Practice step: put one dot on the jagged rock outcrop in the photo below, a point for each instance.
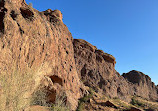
(93, 65)
(142, 85)
(39, 41)
(96, 69)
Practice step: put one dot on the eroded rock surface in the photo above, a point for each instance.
(142, 85)
(39, 41)
(96, 69)
(94, 66)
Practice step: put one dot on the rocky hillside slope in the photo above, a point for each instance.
(41, 42)
(96, 69)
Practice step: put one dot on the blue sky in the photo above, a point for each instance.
(127, 29)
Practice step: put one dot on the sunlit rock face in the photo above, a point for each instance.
(39, 41)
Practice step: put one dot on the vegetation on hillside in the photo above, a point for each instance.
(16, 93)
(15, 89)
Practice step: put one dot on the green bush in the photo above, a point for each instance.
(137, 103)
(84, 100)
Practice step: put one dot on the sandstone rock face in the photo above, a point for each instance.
(97, 70)
(39, 41)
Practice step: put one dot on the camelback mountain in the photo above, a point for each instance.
(39, 43)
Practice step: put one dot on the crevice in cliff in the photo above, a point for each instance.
(21, 31)
(27, 13)
(1, 3)
(13, 14)
(56, 79)
(53, 16)
(67, 52)
(3, 10)
(98, 58)
(83, 71)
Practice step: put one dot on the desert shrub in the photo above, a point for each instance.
(40, 98)
(137, 103)
(84, 100)
(60, 103)
(15, 89)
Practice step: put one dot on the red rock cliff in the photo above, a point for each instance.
(96, 69)
(42, 42)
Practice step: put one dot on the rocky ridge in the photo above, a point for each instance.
(96, 69)
(40, 41)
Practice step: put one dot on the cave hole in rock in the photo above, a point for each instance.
(67, 52)
(43, 46)
(54, 19)
(1, 3)
(72, 79)
(56, 79)
(2, 14)
(27, 13)
(3, 46)
(13, 14)
(90, 73)
(71, 67)
(118, 89)
(83, 71)
(98, 58)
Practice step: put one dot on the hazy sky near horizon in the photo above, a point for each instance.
(127, 29)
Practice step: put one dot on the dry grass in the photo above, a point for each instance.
(121, 104)
(144, 104)
(40, 98)
(60, 104)
(15, 89)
